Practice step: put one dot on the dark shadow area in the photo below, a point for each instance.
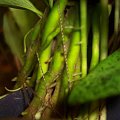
(113, 108)
(15, 103)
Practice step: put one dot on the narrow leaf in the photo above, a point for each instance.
(13, 36)
(23, 4)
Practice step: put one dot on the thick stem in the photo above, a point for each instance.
(104, 29)
(73, 54)
(28, 65)
(83, 20)
(104, 36)
(51, 23)
(96, 39)
(117, 15)
(43, 65)
(49, 77)
(30, 57)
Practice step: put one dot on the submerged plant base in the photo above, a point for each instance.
(15, 103)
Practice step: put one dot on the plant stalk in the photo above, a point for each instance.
(83, 20)
(104, 29)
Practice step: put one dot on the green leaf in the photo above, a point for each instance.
(22, 4)
(24, 23)
(103, 81)
(28, 19)
(13, 36)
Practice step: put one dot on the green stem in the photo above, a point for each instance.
(52, 21)
(51, 3)
(55, 69)
(94, 111)
(83, 20)
(83, 40)
(117, 15)
(30, 58)
(104, 33)
(74, 49)
(32, 35)
(43, 65)
(104, 29)
(96, 39)
(28, 65)
(95, 48)
(73, 54)
(32, 81)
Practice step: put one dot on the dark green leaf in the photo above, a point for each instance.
(13, 36)
(28, 19)
(102, 82)
(23, 4)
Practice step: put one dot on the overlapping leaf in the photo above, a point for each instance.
(23, 4)
(13, 36)
(102, 82)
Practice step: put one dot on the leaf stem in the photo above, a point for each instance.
(96, 38)
(104, 29)
(83, 20)
(117, 15)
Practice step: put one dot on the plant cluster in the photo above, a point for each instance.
(63, 49)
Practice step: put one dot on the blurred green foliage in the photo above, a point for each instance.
(62, 42)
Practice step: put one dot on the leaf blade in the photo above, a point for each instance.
(102, 82)
(13, 36)
(21, 4)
